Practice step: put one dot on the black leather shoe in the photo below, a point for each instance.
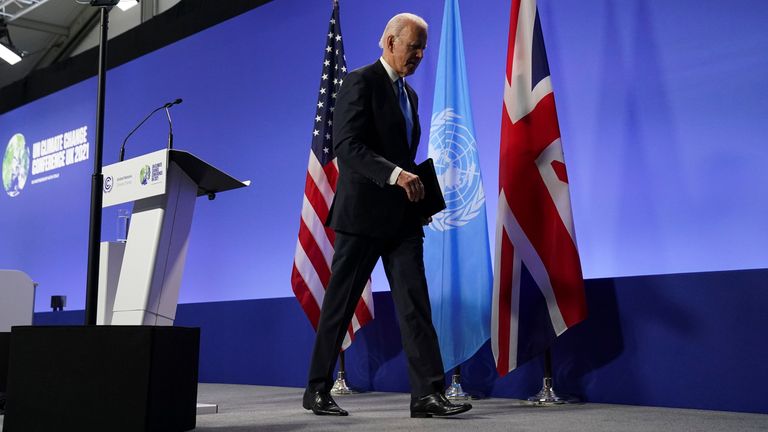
(322, 404)
(436, 404)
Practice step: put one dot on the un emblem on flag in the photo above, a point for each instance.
(453, 149)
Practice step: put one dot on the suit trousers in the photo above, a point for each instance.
(353, 261)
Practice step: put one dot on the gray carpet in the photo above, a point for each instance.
(278, 409)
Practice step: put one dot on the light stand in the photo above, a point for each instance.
(97, 179)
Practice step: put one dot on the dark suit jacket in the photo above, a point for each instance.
(369, 138)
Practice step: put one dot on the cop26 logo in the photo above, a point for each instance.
(15, 165)
(453, 149)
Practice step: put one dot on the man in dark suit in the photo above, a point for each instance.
(376, 132)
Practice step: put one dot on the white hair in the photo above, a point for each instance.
(397, 23)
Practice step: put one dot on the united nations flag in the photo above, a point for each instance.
(456, 250)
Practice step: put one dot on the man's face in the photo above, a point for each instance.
(407, 49)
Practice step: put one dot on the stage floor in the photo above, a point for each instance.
(278, 409)
(245, 408)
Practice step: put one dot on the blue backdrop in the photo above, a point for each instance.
(661, 104)
(662, 108)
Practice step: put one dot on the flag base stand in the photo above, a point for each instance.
(454, 391)
(340, 387)
(547, 396)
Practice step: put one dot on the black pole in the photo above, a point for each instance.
(548, 364)
(97, 182)
(342, 365)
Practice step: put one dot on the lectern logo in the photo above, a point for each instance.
(108, 183)
(15, 165)
(144, 175)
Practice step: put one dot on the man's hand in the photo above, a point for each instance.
(412, 185)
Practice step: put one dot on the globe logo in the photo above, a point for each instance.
(144, 175)
(15, 165)
(452, 148)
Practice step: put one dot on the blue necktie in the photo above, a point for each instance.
(405, 107)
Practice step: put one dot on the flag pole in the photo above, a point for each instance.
(547, 395)
(454, 391)
(322, 163)
(340, 387)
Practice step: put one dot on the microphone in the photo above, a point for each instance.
(170, 137)
(170, 104)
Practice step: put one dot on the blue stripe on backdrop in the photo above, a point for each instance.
(253, 342)
(647, 341)
(536, 333)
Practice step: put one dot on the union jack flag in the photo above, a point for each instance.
(538, 290)
(314, 250)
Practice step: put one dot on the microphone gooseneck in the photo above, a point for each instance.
(170, 128)
(170, 137)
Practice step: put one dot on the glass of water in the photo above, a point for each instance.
(123, 223)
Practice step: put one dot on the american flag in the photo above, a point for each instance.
(538, 288)
(314, 250)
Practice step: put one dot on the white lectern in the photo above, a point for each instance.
(163, 186)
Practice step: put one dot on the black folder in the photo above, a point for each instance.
(433, 201)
